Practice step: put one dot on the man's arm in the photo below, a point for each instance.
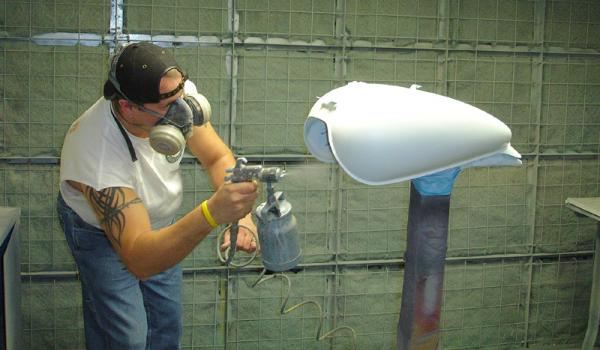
(210, 150)
(145, 252)
(109, 205)
(214, 155)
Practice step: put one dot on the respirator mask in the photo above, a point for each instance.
(171, 132)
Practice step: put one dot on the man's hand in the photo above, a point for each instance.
(232, 201)
(245, 240)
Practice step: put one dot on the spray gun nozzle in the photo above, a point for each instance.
(270, 175)
(243, 173)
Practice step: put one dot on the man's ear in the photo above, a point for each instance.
(125, 107)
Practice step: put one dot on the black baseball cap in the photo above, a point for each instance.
(136, 71)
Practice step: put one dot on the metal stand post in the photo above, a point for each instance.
(418, 327)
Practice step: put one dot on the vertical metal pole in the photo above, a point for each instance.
(116, 23)
(227, 286)
(232, 71)
(591, 333)
(427, 242)
(536, 103)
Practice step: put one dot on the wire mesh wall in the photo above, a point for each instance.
(484, 305)
(519, 262)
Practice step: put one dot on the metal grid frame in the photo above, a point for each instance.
(488, 212)
(559, 300)
(499, 84)
(569, 122)
(274, 90)
(494, 292)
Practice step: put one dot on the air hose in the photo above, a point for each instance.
(283, 310)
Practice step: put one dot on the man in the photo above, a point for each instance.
(120, 189)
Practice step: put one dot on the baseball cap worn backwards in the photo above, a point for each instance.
(136, 71)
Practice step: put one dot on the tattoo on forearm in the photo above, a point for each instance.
(109, 203)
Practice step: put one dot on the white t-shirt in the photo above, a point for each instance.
(95, 153)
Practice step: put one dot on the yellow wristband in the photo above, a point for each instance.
(207, 216)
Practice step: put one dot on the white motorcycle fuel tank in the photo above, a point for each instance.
(382, 134)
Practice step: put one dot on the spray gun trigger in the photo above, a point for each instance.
(240, 161)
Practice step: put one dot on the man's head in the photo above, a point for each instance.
(146, 87)
(136, 71)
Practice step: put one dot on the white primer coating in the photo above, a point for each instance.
(382, 134)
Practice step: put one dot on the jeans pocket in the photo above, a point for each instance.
(86, 239)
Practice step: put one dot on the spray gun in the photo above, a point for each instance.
(277, 232)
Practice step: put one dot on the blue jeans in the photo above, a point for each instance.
(120, 311)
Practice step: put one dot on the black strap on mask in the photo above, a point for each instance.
(125, 136)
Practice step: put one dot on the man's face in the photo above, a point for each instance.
(169, 83)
